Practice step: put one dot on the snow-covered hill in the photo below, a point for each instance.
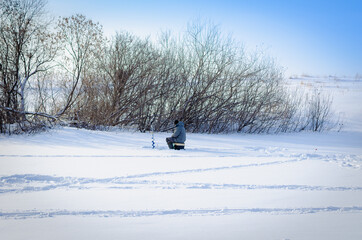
(78, 184)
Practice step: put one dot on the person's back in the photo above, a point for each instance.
(180, 133)
(179, 136)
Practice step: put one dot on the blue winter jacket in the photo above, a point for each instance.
(180, 133)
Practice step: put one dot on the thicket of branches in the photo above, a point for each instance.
(68, 72)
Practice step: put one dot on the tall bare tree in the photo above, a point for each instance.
(80, 39)
(27, 47)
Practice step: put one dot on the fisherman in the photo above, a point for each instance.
(179, 136)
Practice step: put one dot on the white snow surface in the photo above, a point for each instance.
(72, 183)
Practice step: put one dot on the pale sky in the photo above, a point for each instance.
(312, 37)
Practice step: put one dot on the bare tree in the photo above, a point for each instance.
(27, 48)
(80, 39)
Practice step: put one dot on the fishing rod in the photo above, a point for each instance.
(164, 130)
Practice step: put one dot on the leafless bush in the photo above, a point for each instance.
(308, 111)
(319, 116)
(202, 77)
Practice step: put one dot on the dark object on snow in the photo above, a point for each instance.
(178, 137)
(174, 145)
(178, 146)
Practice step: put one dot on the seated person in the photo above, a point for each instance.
(179, 136)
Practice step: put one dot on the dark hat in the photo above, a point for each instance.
(176, 121)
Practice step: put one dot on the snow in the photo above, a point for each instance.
(72, 183)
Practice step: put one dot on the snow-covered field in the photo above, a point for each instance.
(78, 184)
